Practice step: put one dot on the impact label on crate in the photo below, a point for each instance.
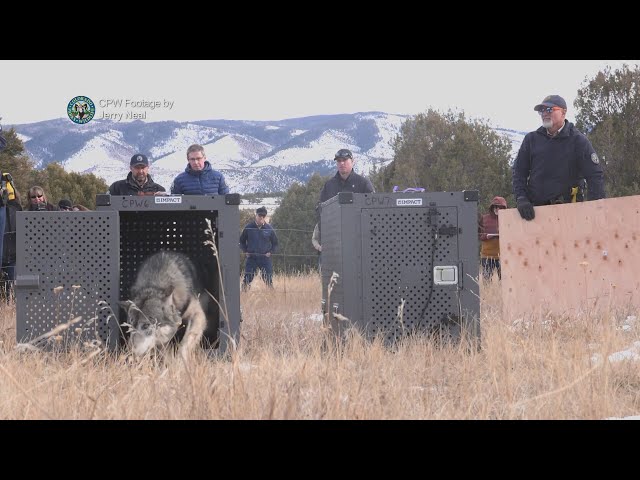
(163, 199)
(408, 202)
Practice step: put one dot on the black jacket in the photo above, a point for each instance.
(354, 183)
(130, 187)
(547, 167)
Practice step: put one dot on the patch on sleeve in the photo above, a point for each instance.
(594, 158)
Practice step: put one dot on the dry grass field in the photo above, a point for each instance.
(546, 368)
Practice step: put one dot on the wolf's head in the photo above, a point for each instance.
(153, 325)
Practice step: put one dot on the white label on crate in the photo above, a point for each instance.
(163, 199)
(409, 202)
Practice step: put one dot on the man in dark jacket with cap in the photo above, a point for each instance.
(553, 161)
(258, 240)
(345, 180)
(138, 182)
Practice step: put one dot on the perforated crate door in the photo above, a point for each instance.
(400, 248)
(144, 233)
(67, 267)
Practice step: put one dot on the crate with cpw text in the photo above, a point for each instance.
(73, 268)
(402, 263)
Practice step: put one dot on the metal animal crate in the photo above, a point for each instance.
(406, 262)
(81, 264)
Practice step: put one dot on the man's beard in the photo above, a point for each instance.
(547, 123)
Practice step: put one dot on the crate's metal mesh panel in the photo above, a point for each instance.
(144, 233)
(400, 248)
(71, 253)
(384, 251)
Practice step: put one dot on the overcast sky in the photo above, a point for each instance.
(500, 91)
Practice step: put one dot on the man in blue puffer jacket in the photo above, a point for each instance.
(199, 178)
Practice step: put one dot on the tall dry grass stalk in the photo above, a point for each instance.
(539, 368)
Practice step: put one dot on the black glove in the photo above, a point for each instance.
(525, 208)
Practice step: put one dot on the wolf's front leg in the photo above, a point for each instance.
(196, 323)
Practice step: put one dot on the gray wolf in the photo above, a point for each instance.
(166, 295)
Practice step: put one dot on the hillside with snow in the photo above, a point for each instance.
(253, 155)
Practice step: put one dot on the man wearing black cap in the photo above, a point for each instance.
(138, 182)
(258, 240)
(553, 161)
(345, 179)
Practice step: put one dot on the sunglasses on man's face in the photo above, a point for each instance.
(36, 196)
(548, 110)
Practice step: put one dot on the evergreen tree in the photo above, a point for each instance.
(294, 221)
(57, 184)
(14, 161)
(608, 112)
(79, 188)
(446, 152)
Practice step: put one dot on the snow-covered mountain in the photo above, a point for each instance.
(253, 155)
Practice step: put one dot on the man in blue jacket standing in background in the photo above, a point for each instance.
(199, 178)
(258, 240)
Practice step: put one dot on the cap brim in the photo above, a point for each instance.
(538, 107)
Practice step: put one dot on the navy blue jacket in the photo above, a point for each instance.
(204, 182)
(547, 167)
(261, 240)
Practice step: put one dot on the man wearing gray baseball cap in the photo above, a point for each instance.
(554, 162)
(551, 101)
